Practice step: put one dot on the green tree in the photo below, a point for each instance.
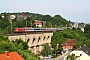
(70, 57)
(61, 36)
(49, 24)
(58, 20)
(21, 44)
(87, 30)
(46, 50)
(0, 17)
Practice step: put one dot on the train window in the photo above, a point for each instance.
(15, 29)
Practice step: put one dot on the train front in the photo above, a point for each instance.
(19, 30)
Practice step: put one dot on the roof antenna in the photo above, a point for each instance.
(6, 12)
(84, 44)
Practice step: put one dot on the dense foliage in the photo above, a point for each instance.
(46, 51)
(71, 57)
(80, 37)
(18, 46)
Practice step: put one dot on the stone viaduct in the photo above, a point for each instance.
(36, 40)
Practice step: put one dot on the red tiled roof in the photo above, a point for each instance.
(12, 16)
(40, 23)
(69, 42)
(25, 15)
(11, 56)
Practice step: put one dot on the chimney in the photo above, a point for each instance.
(86, 52)
(7, 53)
(84, 44)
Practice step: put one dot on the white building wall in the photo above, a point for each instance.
(83, 56)
(39, 25)
(82, 29)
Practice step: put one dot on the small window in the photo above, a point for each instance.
(80, 54)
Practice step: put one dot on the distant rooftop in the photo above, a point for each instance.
(69, 42)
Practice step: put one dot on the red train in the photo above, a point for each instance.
(19, 30)
(29, 29)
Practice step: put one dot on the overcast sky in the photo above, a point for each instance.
(74, 10)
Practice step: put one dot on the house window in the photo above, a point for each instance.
(80, 54)
(74, 54)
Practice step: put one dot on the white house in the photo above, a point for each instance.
(75, 25)
(82, 53)
(39, 24)
(82, 29)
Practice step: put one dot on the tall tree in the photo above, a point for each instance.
(46, 50)
(0, 17)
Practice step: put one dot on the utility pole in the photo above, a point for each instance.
(10, 20)
(31, 23)
(6, 12)
(62, 25)
(11, 26)
(26, 31)
(11, 17)
(66, 25)
(26, 23)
